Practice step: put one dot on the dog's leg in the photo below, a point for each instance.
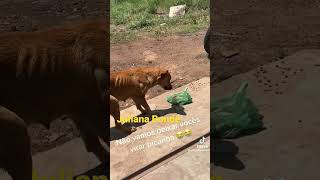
(138, 105)
(90, 135)
(93, 145)
(92, 124)
(115, 112)
(141, 101)
(15, 146)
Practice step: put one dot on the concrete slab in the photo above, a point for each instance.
(154, 140)
(287, 94)
(193, 164)
(70, 159)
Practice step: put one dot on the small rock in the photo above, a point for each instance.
(177, 10)
(162, 24)
(149, 56)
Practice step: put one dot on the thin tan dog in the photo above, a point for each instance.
(134, 83)
(47, 74)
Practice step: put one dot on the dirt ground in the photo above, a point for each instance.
(260, 32)
(29, 15)
(184, 56)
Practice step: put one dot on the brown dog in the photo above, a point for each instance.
(134, 83)
(46, 74)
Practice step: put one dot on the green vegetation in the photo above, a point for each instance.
(133, 18)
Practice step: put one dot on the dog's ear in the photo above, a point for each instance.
(163, 73)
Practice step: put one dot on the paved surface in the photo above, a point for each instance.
(193, 164)
(125, 160)
(287, 94)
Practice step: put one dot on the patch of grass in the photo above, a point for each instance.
(150, 18)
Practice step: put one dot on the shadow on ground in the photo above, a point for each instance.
(225, 155)
(115, 134)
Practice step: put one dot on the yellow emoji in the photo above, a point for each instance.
(187, 132)
(179, 134)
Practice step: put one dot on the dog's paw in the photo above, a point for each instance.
(127, 129)
(133, 129)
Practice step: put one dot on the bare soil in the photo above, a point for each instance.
(184, 56)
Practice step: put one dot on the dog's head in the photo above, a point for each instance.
(164, 80)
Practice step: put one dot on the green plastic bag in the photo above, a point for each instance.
(235, 115)
(181, 98)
